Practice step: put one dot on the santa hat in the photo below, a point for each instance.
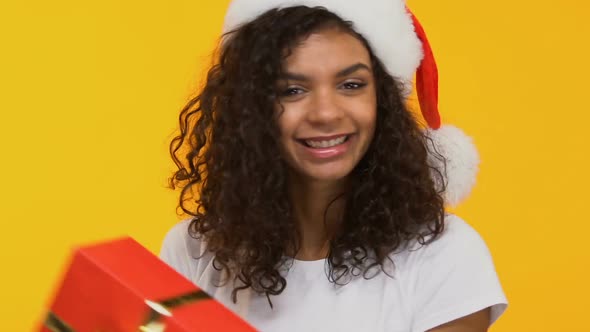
(399, 41)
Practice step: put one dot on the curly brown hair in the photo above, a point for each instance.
(234, 180)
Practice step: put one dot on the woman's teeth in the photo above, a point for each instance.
(326, 144)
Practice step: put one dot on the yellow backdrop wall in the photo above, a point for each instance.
(91, 93)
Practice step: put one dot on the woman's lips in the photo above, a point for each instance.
(328, 152)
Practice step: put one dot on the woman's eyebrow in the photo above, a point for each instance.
(294, 77)
(344, 72)
(349, 70)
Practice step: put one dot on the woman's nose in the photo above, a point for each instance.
(325, 107)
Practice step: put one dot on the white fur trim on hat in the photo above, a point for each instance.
(462, 161)
(385, 24)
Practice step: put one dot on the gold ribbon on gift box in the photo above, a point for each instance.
(152, 322)
(162, 308)
(56, 324)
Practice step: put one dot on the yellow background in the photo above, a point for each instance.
(90, 97)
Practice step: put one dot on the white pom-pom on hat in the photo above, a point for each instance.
(399, 41)
(460, 164)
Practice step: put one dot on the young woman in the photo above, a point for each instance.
(315, 203)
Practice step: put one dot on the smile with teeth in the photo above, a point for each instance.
(326, 144)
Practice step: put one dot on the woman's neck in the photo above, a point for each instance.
(317, 208)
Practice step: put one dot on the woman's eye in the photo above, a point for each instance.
(292, 92)
(353, 85)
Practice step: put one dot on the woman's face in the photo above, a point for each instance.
(329, 106)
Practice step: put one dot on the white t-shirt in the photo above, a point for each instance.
(452, 277)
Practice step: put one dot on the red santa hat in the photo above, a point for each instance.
(399, 41)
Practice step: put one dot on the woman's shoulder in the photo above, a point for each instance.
(175, 240)
(183, 251)
(458, 247)
(456, 236)
(452, 276)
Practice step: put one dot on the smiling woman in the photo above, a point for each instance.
(319, 206)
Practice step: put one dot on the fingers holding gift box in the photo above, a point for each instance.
(120, 286)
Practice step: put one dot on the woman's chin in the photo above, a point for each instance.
(327, 175)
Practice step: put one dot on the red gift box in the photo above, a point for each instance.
(120, 286)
